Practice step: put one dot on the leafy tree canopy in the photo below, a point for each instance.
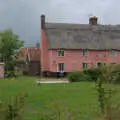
(9, 45)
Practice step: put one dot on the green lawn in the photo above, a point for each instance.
(80, 97)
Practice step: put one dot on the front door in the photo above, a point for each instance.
(99, 64)
(61, 67)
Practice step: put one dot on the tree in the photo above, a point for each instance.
(9, 45)
(109, 74)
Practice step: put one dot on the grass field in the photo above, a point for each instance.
(79, 97)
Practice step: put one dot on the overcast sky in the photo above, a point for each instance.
(23, 16)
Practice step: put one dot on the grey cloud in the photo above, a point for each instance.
(23, 16)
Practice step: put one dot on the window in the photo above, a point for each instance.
(60, 52)
(99, 64)
(85, 52)
(85, 65)
(61, 67)
(112, 53)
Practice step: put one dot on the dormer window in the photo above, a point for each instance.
(113, 53)
(85, 52)
(61, 52)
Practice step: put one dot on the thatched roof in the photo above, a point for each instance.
(83, 36)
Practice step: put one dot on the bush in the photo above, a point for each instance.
(10, 74)
(93, 73)
(13, 73)
(116, 74)
(13, 110)
(117, 79)
(77, 76)
(18, 72)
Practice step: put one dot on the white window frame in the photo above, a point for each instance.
(113, 53)
(85, 52)
(58, 69)
(86, 65)
(59, 55)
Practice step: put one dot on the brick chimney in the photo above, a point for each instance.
(42, 21)
(93, 20)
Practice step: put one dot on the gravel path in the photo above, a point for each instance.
(52, 81)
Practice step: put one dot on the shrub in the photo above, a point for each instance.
(10, 74)
(93, 73)
(117, 79)
(18, 72)
(77, 76)
(116, 73)
(111, 73)
(13, 73)
(13, 110)
(57, 111)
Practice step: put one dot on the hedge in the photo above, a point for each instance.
(77, 76)
(93, 73)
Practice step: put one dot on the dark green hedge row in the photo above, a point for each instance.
(89, 75)
(86, 75)
(77, 76)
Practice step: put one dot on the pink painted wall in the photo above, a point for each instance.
(73, 59)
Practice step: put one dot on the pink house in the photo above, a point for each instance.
(69, 47)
